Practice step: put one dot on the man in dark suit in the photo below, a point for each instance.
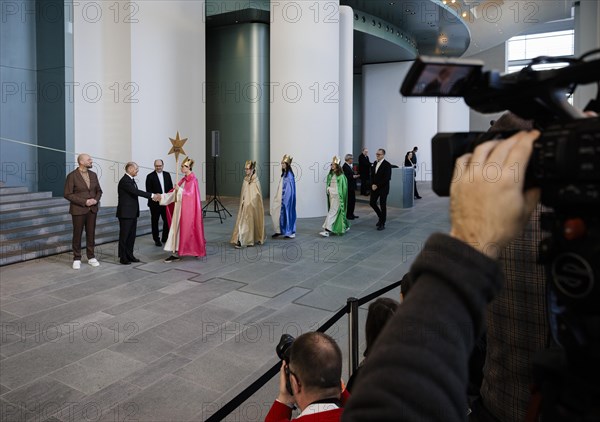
(158, 181)
(82, 190)
(364, 169)
(381, 173)
(349, 173)
(414, 160)
(128, 211)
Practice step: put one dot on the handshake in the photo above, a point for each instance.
(156, 197)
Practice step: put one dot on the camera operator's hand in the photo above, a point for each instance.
(284, 396)
(488, 207)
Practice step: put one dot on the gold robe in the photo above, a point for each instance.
(249, 226)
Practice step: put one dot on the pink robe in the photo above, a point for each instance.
(189, 237)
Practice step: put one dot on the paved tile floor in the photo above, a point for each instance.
(174, 342)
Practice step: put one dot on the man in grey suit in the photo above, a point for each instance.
(83, 191)
(128, 211)
(158, 181)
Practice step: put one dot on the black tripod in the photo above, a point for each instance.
(218, 206)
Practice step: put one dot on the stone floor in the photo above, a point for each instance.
(174, 342)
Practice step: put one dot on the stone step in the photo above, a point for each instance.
(46, 228)
(32, 200)
(12, 190)
(7, 221)
(36, 246)
(61, 205)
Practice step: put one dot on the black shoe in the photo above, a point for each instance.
(276, 235)
(351, 218)
(164, 240)
(123, 262)
(418, 197)
(157, 243)
(134, 259)
(172, 258)
(378, 224)
(382, 227)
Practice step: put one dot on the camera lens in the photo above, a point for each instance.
(283, 348)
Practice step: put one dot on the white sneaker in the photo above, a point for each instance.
(93, 262)
(324, 233)
(291, 236)
(76, 264)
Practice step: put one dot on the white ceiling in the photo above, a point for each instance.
(495, 21)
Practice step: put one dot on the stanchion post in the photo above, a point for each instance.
(352, 334)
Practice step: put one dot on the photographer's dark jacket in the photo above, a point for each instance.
(418, 368)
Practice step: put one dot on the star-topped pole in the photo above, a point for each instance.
(177, 148)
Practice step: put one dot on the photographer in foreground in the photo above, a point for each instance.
(313, 373)
(418, 369)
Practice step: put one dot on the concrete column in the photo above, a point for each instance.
(305, 96)
(587, 37)
(138, 79)
(346, 78)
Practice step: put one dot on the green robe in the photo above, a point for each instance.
(341, 221)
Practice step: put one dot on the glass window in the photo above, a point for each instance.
(560, 43)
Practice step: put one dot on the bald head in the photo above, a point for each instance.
(84, 161)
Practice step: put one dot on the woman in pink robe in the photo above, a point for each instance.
(186, 234)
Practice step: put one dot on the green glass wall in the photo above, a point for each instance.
(237, 104)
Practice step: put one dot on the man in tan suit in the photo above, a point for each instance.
(82, 189)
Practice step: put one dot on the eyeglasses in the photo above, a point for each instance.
(378, 153)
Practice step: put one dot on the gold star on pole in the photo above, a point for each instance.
(177, 147)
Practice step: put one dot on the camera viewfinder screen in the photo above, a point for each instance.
(443, 80)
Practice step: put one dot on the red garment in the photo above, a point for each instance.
(279, 412)
(191, 226)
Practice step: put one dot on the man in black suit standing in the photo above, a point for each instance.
(381, 173)
(414, 160)
(158, 181)
(364, 169)
(128, 211)
(351, 177)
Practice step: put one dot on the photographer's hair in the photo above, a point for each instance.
(380, 311)
(510, 121)
(317, 361)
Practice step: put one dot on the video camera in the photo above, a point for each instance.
(565, 164)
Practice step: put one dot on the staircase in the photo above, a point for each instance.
(35, 224)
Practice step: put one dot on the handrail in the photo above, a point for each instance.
(235, 402)
(74, 154)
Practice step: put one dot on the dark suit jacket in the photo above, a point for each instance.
(349, 173)
(128, 205)
(77, 192)
(364, 166)
(383, 176)
(153, 185)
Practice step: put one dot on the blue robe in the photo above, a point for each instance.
(283, 211)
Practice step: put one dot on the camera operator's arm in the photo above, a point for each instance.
(418, 369)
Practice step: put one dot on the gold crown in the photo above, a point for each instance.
(335, 160)
(287, 159)
(251, 164)
(188, 162)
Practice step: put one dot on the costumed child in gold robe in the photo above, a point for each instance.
(249, 226)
